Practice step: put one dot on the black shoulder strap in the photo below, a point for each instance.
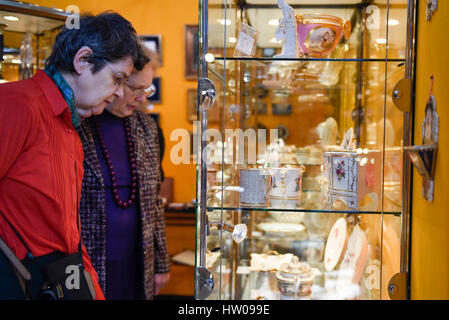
(17, 234)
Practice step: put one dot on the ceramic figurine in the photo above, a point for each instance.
(328, 131)
(286, 32)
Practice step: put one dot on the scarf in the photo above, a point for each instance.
(66, 92)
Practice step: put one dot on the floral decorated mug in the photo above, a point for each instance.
(287, 182)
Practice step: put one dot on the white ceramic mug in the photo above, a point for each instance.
(287, 183)
(256, 184)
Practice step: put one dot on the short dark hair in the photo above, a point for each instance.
(110, 36)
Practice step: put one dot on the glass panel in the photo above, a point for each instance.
(397, 29)
(306, 152)
(391, 252)
(310, 106)
(334, 30)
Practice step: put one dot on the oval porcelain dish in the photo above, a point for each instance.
(280, 229)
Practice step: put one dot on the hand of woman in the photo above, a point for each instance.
(160, 280)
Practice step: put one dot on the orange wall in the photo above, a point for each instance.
(165, 17)
(430, 221)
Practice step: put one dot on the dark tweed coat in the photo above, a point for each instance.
(93, 203)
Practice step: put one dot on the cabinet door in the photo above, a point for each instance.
(304, 147)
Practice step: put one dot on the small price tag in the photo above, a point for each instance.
(245, 43)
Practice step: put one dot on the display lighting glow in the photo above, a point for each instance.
(232, 40)
(393, 22)
(11, 18)
(273, 40)
(209, 57)
(224, 21)
(381, 41)
(273, 22)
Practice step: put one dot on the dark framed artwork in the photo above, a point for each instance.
(191, 52)
(282, 109)
(156, 116)
(154, 43)
(261, 108)
(156, 98)
(191, 105)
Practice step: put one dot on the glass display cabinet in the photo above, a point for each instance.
(27, 33)
(302, 185)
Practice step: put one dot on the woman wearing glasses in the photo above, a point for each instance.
(121, 211)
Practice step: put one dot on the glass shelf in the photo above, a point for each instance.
(266, 209)
(310, 59)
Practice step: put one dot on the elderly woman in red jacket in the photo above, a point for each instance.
(122, 216)
(41, 155)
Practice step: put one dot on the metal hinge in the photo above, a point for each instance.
(207, 93)
(397, 287)
(204, 283)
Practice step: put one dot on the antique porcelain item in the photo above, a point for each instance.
(319, 34)
(280, 229)
(335, 245)
(287, 183)
(353, 264)
(328, 132)
(269, 261)
(350, 177)
(286, 32)
(295, 280)
(256, 184)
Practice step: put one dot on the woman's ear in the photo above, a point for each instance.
(80, 63)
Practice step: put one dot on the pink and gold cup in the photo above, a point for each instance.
(319, 34)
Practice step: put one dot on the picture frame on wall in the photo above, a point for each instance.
(191, 52)
(154, 43)
(156, 98)
(191, 105)
(156, 116)
(281, 109)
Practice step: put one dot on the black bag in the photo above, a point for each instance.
(66, 278)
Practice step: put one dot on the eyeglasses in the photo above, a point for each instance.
(148, 92)
(119, 77)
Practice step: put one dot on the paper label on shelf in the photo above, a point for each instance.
(245, 43)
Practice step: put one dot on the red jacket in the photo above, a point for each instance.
(39, 183)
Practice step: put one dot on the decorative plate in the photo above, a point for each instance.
(335, 245)
(280, 229)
